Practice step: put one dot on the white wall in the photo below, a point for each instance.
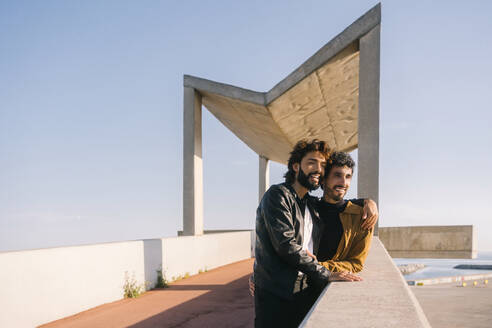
(39, 286)
(189, 254)
(47, 284)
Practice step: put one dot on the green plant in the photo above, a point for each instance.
(161, 280)
(131, 288)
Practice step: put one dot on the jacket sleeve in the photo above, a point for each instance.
(354, 261)
(277, 214)
(358, 201)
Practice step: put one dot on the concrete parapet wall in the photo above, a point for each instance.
(430, 241)
(48, 284)
(190, 254)
(40, 286)
(382, 299)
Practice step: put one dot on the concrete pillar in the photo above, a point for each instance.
(368, 148)
(192, 163)
(264, 177)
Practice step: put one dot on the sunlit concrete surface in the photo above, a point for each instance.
(449, 242)
(323, 105)
(382, 299)
(216, 298)
(451, 306)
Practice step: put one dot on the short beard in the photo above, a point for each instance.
(304, 180)
(331, 194)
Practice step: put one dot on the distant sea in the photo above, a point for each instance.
(444, 267)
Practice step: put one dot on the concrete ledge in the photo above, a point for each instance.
(44, 285)
(458, 241)
(383, 299)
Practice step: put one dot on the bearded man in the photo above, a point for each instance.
(344, 244)
(286, 278)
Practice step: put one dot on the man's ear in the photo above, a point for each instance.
(295, 167)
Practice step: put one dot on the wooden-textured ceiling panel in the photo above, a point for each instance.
(339, 81)
(251, 123)
(323, 105)
(302, 99)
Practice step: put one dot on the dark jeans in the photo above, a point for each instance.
(274, 311)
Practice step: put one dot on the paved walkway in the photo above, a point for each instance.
(449, 306)
(217, 298)
(220, 298)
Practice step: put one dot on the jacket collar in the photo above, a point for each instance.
(351, 208)
(294, 192)
(307, 198)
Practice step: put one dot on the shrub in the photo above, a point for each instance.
(161, 280)
(131, 288)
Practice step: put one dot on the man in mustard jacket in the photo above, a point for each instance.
(282, 294)
(344, 243)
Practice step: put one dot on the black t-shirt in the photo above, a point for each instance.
(333, 230)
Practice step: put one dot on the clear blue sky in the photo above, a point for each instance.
(91, 111)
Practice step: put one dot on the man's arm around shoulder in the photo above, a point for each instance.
(354, 259)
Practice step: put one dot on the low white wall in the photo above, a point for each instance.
(39, 286)
(190, 254)
(43, 285)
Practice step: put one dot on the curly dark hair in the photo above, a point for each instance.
(300, 150)
(339, 159)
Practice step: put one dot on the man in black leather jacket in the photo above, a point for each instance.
(286, 277)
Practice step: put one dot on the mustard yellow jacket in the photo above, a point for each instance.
(355, 242)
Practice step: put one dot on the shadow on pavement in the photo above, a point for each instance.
(228, 305)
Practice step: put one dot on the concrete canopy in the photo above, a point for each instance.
(319, 100)
(333, 96)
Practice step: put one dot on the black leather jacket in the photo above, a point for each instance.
(278, 249)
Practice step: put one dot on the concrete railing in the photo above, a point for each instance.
(459, 241)
(382, 299)
(39, 286)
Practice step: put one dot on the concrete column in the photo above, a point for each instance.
(264, 176)
(192, 163)
(368, 148)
